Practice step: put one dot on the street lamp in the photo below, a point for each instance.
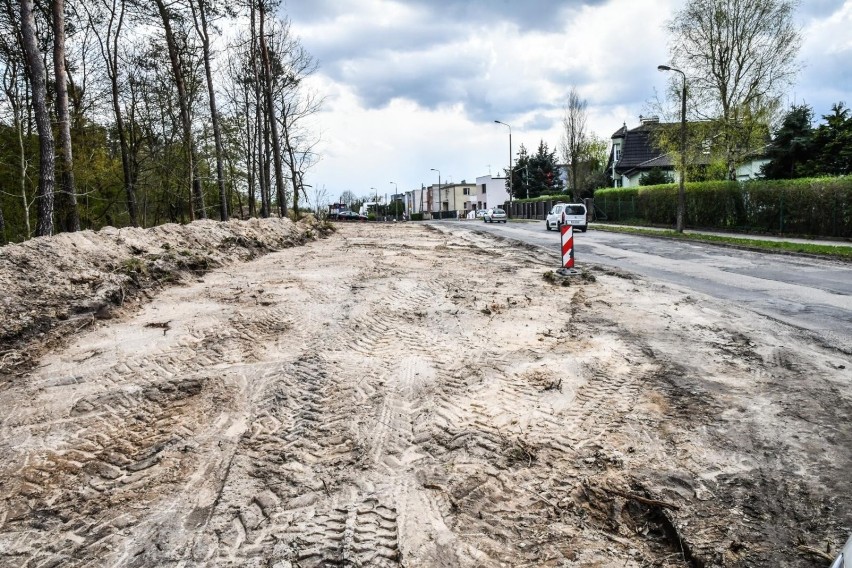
(681, 197)
(396, 192)
(439, 189)
(510, 164)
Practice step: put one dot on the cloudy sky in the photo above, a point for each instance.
(412, 85)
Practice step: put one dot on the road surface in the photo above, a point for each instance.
(809, 293)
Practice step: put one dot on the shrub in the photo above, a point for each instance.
(810, 206)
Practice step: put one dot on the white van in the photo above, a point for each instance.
(569, 213)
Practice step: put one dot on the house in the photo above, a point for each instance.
(446, 200)
(489, 192)
(635, 152)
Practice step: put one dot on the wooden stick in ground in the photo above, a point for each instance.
(640, 499)
(815, 552)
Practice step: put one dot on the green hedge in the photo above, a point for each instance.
(810, 206)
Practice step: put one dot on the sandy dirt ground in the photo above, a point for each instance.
(399, 395)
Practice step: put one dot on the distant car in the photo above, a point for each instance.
(573, 214)
(350, 216)
(495, 215)
(844, 559)
(481, 213)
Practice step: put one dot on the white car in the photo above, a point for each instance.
(573, 214)
(844, 559)
(495, 215)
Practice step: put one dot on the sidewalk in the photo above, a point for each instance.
(744, 236)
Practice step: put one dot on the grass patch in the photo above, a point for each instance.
(839, 251)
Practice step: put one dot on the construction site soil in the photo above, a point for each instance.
(278, 394)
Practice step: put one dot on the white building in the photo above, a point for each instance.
(489, 192)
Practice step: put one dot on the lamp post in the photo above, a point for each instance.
(510, 164)
(439, 188)
(681, 196)
(395, 192)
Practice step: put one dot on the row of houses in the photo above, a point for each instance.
(456, 199)
(633, 153)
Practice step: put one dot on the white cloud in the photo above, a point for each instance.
(414, 86)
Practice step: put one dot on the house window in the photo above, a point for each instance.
(617, 153)
(483, 188)
(466, 191)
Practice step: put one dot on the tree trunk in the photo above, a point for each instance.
(294, 167)
(69, 216)
(19, 127)
(252, 170)
(260, 128)
(270, 109)
(197, 197)
(266, 168)
(214, 116)
(35, 64)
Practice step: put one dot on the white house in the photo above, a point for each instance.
(489, 192)
(634, 152)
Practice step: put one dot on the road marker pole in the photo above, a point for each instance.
(567, 234)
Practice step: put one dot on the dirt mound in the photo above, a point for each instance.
(54, 286)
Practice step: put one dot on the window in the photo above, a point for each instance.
(484, 187)
(466, 191)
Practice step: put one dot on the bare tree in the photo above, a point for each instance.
(575, 139)
(263, 7)
(38, 86)
(295, 104)
(197, 196)
(69, 217)
(200, 10)
(737, 56)
(108, 33)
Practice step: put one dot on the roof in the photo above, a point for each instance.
(639, 149)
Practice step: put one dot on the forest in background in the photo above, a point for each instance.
(142, 112)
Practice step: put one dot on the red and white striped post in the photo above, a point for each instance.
(567, 234)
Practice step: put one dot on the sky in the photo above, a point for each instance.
(412, 85)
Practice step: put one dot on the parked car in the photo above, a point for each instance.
(350, 216)
(573, 214)
(495, 215)
(481, 213)
(844, 559)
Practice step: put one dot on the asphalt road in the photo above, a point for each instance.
(812, 294)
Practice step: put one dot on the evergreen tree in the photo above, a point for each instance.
(792, 147)
(520, 175)
(655, 176)
(543, 172)
(833, 141)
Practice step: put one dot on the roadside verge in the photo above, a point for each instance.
(797, 247)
